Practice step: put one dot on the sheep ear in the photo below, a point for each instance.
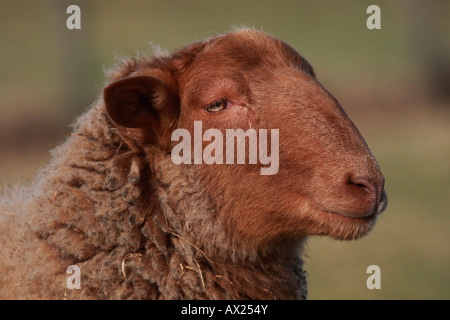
(141, 102)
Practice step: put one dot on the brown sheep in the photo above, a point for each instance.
(139, 226)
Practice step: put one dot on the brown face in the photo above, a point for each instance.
(328, 182)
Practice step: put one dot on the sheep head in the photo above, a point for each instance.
(327, 183)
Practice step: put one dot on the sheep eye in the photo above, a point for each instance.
(216, 106)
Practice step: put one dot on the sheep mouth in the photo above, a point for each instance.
(346, 217)
(378, 207)
(365, 216)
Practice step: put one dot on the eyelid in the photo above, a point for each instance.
(216, 100)
(227, 102)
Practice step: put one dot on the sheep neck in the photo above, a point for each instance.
(188, 218)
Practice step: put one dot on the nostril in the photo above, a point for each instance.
(375, 191)
(363, 183)
(360, 182)
(364, 194)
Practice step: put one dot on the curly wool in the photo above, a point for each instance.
(137, 226)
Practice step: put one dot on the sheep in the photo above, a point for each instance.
(138, 226)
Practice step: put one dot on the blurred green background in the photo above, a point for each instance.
(394, 83)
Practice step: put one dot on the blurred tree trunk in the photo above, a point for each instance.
(430, 43)
(76, 56)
